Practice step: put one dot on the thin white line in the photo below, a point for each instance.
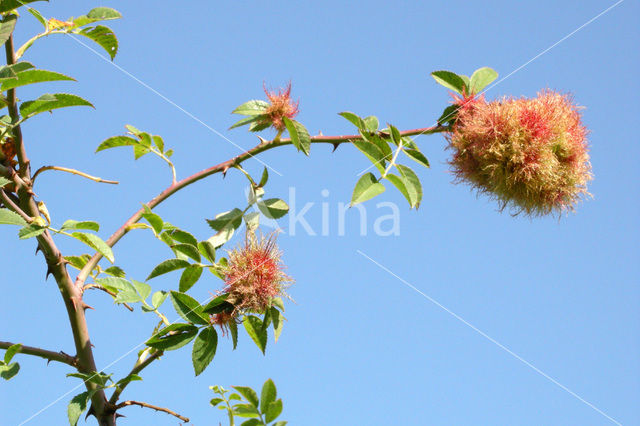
(170, 102)
(492, 340)
(524, 65)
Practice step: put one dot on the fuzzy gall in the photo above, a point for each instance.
(529, 154)
(254, 276)
(280, 106)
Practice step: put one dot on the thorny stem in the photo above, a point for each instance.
(223, 167)
(56, 265)
(12, 106)
(72, 171)
(43, 353)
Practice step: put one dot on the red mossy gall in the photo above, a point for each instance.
(280, 106)
(254, 275)
(529, 154)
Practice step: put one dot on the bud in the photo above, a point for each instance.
(530, 154)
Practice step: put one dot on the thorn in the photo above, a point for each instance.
(335, 146)
(38, 249)
(85, 306)
(320, 133)
(49, 272)
(262, 140)
(89, 413)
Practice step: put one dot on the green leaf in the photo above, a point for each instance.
(396, 137)
(10, 71)
(207, 250)
(143, 289)
(128, 294)
(467, 81)
(77, 406)
(116, 141)
(38, 16)
(253, 107)
(372, 152)
(246, 410)
(299, 135)
(6, 27)
(115, 284)
(230, 218)
(167, 266)
(267, 395)
(173, 337)
(11, 351)
(278, 303)
(33, 76)
(86, 225)
(30, 231)
(103, 36)
(222, 236)
(95, 15)
(413, 185)
(371, 122)
(189, 308)
(183, 237)
(449, 114)
(252, 422)
(252, 220)
(155, 221)
(449, 79)
(99, 379)
(481, 78)
(139, 151)
(188, 250)
(158, 298)
(273, 208)
(48, 102)
(4, 181)
(216, 401)
(7, 372)
(7, 217)
(217, 305)
(256, 119)
(95, 243)
(366, 188)
(417, 156)
(115, 271)
(356, 120)
(273, 410)
(126, 380)
(280, 423)
(8, 5)
(204, 349)
(189, 277)
(233, 329)
(264, 178)
(253, 325)
(249, 394)
(278, 322)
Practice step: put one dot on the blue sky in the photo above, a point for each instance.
(360, 346)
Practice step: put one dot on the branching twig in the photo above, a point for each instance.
(43, 353)
(223, 167)
(153, 407)
(72, 171)
(106, 290)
